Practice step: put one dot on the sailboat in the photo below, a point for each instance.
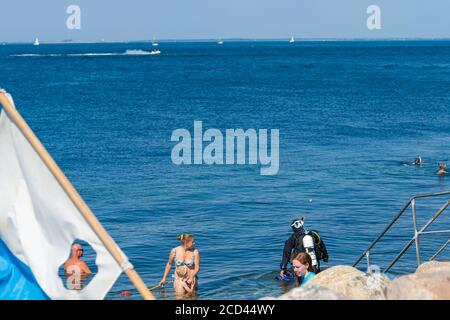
(154, 43)
(36, 42)
(292, 40)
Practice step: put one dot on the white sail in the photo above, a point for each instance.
(36, 42)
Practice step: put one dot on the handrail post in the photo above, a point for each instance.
(416, 233)
(374, 242)
(411, 241)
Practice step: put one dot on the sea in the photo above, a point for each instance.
(351, 115)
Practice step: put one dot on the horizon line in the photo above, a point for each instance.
(233, 39)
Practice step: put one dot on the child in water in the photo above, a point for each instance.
(180, 285)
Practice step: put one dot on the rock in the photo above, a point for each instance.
(431, 281)
(313, 292)
(352, 283)
(433, 266)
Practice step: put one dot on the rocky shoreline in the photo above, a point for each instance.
(431, 281)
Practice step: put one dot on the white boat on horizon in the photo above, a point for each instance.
(36, 42)
(220, 42)
(292, 40)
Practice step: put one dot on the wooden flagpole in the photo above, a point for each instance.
(88, 215)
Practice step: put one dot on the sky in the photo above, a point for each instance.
(133, 20)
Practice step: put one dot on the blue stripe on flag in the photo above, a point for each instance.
(16, 279)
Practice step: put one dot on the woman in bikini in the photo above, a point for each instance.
(184, 255)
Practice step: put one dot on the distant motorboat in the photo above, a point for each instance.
(220, 42)
(136, 52)
(155, 51)
(155, 44)
(36, 42)
(292, 40)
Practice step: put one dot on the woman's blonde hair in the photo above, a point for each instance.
(184, 238)
(181, 271)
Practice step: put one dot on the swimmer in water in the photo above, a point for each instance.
(77, 261)
(442, 170)
(417, 161)
(184, 255)
(76, 269)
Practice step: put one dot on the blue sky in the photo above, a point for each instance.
(113, 20)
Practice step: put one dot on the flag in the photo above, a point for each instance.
(38, 225)
(16, 279)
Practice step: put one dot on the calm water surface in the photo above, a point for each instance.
(350, 114)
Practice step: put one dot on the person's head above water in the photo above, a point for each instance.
(297, 225)
(187, 240)
(181, 271)
(77, 250)
(442, 167)
(302, 263)
(418, 160)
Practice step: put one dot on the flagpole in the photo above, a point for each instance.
(88, 215)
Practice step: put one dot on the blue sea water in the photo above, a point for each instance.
(351, 116)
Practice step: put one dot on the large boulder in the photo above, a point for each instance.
(313, 292)
(431, 281)
(352, 283)
(434, 266)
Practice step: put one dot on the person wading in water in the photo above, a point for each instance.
(184, 255)
(76, 267)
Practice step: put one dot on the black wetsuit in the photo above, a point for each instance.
(289, 246)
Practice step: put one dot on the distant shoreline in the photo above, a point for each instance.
(236, 40)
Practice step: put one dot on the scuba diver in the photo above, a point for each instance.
(302, 240)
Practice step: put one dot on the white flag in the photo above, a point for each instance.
(39, 223)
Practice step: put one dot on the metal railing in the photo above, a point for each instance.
(417, 233)
(439, 250)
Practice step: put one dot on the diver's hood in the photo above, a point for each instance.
(297, 226)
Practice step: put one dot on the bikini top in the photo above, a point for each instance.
(183, 263)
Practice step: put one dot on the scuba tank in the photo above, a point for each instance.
(308, 244)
